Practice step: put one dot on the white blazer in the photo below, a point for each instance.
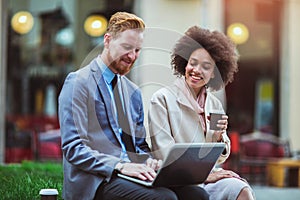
(172, 119)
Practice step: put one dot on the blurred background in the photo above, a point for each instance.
(42, 41)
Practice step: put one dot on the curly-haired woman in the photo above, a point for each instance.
(204, 61)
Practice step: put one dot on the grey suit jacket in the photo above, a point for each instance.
(91, 143)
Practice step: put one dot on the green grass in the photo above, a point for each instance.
(24, 181)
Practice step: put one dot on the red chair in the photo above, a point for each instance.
(18, 144)
(49, 145)
(256, 150)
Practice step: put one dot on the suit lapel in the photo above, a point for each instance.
(104, 93)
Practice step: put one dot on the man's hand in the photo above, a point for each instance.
(153, 163)
(141, 171)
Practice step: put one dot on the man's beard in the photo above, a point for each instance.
(120, 70)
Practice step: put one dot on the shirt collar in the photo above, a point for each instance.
(106, 72)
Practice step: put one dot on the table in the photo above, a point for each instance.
(276, 171)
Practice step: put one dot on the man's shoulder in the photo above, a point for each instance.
(131, 85)
(82, 72)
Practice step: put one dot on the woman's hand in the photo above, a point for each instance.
(222, 124)
(218, 175)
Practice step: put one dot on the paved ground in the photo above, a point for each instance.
(273, 193)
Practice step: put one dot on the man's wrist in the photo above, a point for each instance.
(119, 167)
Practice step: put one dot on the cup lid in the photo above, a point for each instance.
(48, 192)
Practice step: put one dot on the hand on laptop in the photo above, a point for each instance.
(141, 171)
(153, 163)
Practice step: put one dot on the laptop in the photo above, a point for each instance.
(185, 164)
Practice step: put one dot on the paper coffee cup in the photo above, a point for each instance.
(214, 118)
(48, 194)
